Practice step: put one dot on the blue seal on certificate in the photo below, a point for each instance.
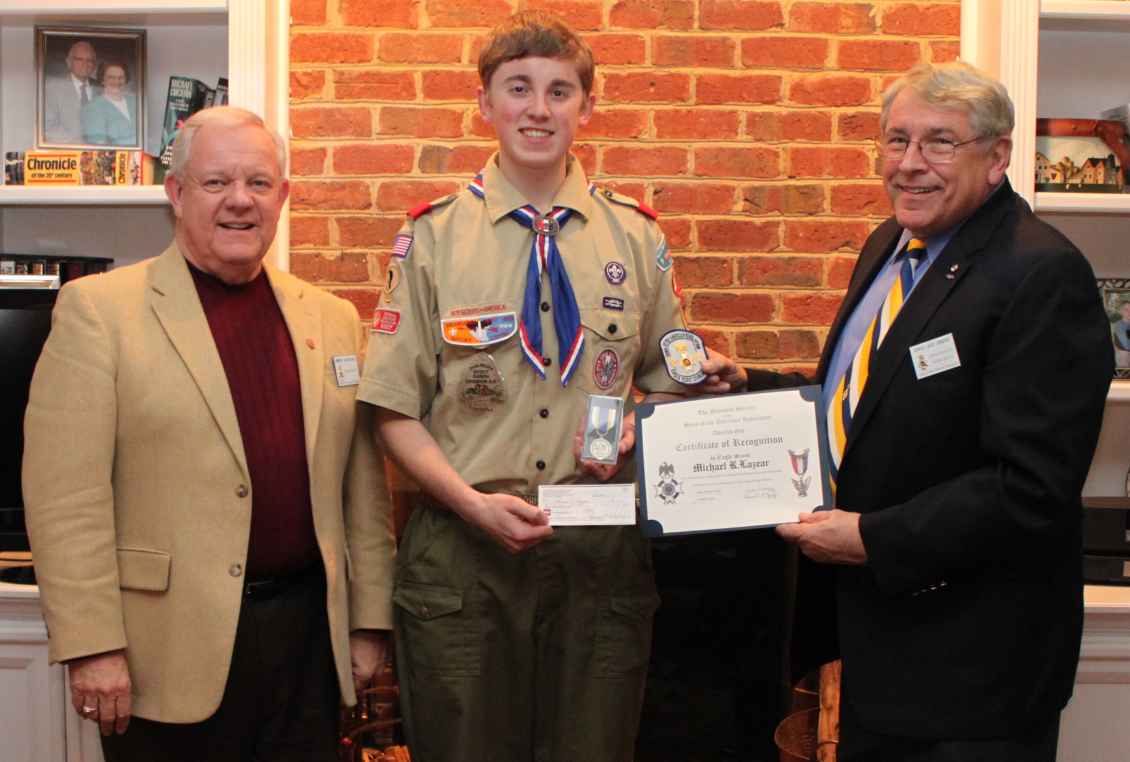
(684, 354)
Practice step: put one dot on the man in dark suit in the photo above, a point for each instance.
(960, 435)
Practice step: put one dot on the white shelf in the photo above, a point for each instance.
(1097, 15)
(1119, 391)
(97, 7)
(130, 195)
(1091, 203)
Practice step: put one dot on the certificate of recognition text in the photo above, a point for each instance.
(731, 462)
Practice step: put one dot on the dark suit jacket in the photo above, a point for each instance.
(966, 620)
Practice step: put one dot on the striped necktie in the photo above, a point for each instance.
(546, 258)
(843, 403)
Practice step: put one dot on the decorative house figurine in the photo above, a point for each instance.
(1081, 155)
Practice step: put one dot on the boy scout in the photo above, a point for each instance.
(505, 305)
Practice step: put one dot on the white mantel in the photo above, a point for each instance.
(36, 724)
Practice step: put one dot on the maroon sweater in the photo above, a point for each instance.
(262, 370)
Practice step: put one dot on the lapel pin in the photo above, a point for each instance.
(310, 343)
(953, 269)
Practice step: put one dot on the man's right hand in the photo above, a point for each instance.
(509, 520)
(100, 690)
(723, 376)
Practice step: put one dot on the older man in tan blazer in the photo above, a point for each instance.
(201, 484)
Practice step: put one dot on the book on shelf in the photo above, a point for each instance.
(185, 97)
(68, 168)
(221, 98)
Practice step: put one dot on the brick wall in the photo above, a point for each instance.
(748, 124)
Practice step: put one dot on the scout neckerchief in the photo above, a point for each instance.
(545, 258)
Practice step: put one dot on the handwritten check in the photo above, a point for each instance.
(587, 505)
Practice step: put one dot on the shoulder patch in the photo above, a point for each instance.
(663, 258)
(623, 200)
(420, 210)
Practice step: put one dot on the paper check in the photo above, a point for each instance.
(581, 505)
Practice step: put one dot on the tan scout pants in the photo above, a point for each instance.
(535, 657)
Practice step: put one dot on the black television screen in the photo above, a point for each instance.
(25, 320)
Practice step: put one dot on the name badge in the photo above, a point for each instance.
(346, 370)
(934, 356)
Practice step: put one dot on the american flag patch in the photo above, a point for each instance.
(402, 246)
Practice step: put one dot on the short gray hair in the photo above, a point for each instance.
(960, 86)
(220, 116)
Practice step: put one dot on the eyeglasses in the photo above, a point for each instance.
(933, 150)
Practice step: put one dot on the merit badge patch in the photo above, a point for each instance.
(613, 303)
(606, 369)
(482, 387)
(479, 330)
(402, 245)
(386, 321)
(615, 273)
(663, 258)
(684, 354)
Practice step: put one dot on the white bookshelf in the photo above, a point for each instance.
(1086, 203)
(245, 41)
(1067, 59)
(1060, 59)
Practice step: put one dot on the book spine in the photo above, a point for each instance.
(14, 168)
(186, 96)
(66, 168)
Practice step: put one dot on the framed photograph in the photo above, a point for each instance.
(90, 87)
(1116, 301)
(1081, 155)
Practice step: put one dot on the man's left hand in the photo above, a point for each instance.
(605, 471)
(828, 537)
(367, 650)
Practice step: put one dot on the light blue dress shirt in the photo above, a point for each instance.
(856, 326)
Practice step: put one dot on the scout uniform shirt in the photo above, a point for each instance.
(445, 346)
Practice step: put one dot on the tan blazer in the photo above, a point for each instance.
(137, 490)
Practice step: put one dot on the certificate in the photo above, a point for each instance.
(587, 505)
(734, 462)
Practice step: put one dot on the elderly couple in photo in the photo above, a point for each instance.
(90, 103)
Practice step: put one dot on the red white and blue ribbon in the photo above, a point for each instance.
(546, 258)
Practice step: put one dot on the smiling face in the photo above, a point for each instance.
(536, 106)
(81, 60)
(113, 80)
(929, 199)
(227, 201)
